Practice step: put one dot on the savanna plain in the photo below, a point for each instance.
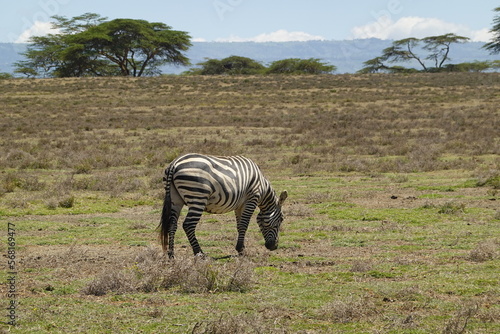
(392, 222)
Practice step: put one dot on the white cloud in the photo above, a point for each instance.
(276, 36)
(37, 29)
(483, 35)
(419, 27)
(198, 39)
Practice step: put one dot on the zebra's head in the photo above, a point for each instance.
(270, 219)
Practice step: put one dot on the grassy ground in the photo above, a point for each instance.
(392, 220)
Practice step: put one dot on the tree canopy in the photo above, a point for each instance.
(236, 65)
(300, 66)
(89, 45)
(494, 45)
(405, 50)
(233, 65)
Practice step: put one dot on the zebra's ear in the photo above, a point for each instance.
(283, 197)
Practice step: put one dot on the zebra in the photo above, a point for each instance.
(218, 185)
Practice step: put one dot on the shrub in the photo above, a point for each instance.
(458, 323)
(152, 272)
(10, 182)
(349, 310)
(234, 65)
(108, 281)
(484, 251)
(5, 76)
(300, 66)
(67, 202)
(492, 181)
(452, 208)
(237, 324)
(83, 167)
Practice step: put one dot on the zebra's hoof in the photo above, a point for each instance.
(200, 255)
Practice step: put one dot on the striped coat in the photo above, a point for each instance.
(218, 185)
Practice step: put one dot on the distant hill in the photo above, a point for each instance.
(347, 55)
(9, 54)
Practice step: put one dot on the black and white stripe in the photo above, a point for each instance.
(218, 185)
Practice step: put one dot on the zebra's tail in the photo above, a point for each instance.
(166, 214)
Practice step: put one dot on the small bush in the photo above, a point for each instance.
(108, 281)
(497, 215)
(490, 178)
(152, 272)
(10, 182)
(83, 168)
(67, 202)
(5, 76)
(458, 323)
(31, 183)
(51, 204)
(205, 275)
(452, 208)
(361, 266)
(487, 250)
(349, 310)
(239, 324)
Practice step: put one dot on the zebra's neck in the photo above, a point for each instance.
(269, 200)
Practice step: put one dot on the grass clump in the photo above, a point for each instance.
(489, 178)
(67, 202)
(452, 208)
(484, 251)
(153, 272)
(458, 323)
(349, 309)
(114, 281)
(241, 324)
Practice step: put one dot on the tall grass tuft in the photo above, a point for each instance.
(484, 251)
(236, 324)
(458, 323)
(151, 272)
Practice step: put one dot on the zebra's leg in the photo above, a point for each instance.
(171, 233)
(177, 204)
(192, 218)
(243, 216)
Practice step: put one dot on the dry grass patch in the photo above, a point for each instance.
(152, 271)
(349, 309)
(458, 323)
(237, 324)
(484, 251)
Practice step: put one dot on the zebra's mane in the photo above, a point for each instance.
(269, 200)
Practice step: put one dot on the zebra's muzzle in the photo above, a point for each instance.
(271, 245)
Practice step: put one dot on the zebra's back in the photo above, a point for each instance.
(216, 184)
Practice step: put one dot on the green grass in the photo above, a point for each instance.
(416, 274)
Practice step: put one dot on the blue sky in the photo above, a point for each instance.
(268, 20)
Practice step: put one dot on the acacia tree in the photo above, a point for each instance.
(402, 51)
(89, 45)
(300, 66)
(136, 47)
(494, 45)
(45, 55)
(42, 57)
(233, 65)
(236, 65)
(439, 47)
(405, 50)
